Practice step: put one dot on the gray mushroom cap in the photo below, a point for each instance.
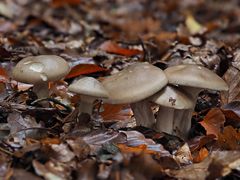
(172, 97)
(195, 76)
(135, 83)
(43, 68)
(88, 86)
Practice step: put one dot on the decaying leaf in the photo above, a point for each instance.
(231, 78)
(226, 160)
(193, 26)
(116, 112)
(229, 139)
(183, 155)
(213, 121)
(51, 170)
(83, 69)
(202, 154)
(112, 47)
(232, 113)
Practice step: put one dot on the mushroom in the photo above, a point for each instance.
(89, 90)
(193, 79)
(39, 70)
(134, 85)
(171, 100)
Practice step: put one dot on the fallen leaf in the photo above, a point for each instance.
(229, 139)
(227, 160)
(62, 153)
(137, 139)
(231, 77)
(114, 48)
(222, 164)
(52, 170)
(80, 148)
(213, 121)
(3, 75)
(136, 149)
(183, 155)
(192, 25)
(113, 112)
(232, 113)
(50, 141)
(23, 174)
(199, 142)
(81, 69)
(201, 155)
(17, 122)
(60, 3)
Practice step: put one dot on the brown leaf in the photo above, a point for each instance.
(213, 121)
(116, 112)
(136, 149)
(227, 160)
(229, 139)
(232, 113)
(60, 3)
(232, 79)
(112, 47)
(5, 170)
(222, 164)
(136, 140)
(80, 148)
(202, 154)
(84, 69)
(3, 75)
(52, 170)
(50, 141)
(183, 155)
(19, 174)
(201, 141)
(62, 152)
(17, 122)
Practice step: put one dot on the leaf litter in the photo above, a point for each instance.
(99, 38)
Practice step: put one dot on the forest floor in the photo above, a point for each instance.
(99, 38)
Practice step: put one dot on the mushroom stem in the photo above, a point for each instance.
(86, 104)
(143, 113)
(165, 117)
(182, 118)
(41, 90)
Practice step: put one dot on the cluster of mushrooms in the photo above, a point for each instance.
(175, 89)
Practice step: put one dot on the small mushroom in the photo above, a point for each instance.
(89, 90)
(171, 100)
(193, 79)
(134, 85)
(39, 70)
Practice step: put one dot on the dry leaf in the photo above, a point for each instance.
(84, 69)
(60, 3)
(112, 47)
(201, 155)
(229, 139)
(192, 25)
(115, 112)
(213, 121)
(232, 79)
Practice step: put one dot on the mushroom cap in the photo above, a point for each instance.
(88, 86)
(195, 76)
(36, 69)
(172, 97)
(136, 82)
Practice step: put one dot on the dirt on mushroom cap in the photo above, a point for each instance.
(172, 97)
(35, 69)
